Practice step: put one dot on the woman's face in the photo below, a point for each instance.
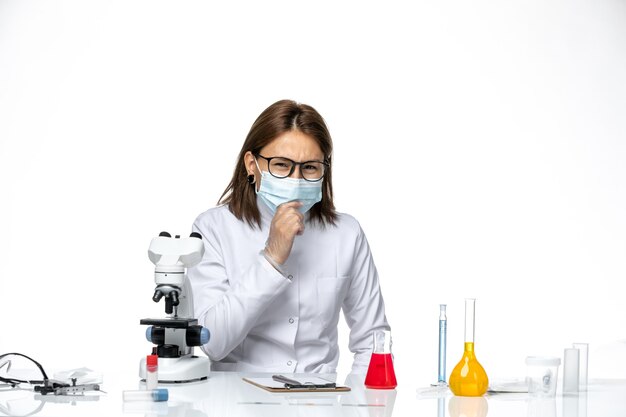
(294, 145)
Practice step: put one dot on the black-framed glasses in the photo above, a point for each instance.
(280, 167)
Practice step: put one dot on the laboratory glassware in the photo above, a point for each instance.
(156, 395)
(583, 349)
(468, 378)
(571, 358)
(152, 369)
(542, 373)
(443, 324)
(380, 374)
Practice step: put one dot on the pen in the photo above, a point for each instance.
(293, 384)
(256, 403)
(285, 380)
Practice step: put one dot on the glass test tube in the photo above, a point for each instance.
(443, 323)
(152, 368)
(583, 365)
(160, 394)
(570, 370)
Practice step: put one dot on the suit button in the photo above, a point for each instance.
(290, 320)
(290, 276)
(288, 363)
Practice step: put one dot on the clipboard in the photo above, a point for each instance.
(268, 384)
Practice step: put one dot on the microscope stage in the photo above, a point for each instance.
(170, 323)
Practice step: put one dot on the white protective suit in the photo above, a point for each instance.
(262, 320)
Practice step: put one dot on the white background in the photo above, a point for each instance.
(481, 144)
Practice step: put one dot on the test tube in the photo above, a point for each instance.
(156, 395)
(443, 322)
(570, 370)
(152, 368)
(583, 349)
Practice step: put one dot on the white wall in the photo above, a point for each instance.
(480, 144)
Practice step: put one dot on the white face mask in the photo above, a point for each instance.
(276, 191)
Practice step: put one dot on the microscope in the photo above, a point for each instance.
(177, 333)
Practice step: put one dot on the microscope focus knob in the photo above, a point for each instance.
(155, 335)
(205, 336)
(197, 335)
(168, 351)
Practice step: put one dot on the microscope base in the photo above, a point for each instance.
(179, 370)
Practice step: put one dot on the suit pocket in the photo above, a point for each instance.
(330, 294)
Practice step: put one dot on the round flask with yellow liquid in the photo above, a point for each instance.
(468, 378)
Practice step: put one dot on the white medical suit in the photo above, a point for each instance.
(263, 321)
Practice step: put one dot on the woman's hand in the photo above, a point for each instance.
(286, 224)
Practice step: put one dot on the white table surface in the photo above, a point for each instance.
(226, 394)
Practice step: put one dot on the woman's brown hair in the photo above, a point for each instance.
(280, 117)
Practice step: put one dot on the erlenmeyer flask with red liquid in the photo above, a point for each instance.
(380, 374)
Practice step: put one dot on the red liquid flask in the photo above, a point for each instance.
(380, 374)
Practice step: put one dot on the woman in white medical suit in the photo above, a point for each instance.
(280, 263)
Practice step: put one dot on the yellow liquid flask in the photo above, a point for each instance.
(468, 378)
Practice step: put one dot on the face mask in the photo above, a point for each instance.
(276, 191)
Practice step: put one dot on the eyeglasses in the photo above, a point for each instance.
(280, 167)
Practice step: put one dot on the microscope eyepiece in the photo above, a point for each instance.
(196, 235)
(165, 234)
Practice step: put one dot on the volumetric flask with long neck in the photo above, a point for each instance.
(468, 378)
